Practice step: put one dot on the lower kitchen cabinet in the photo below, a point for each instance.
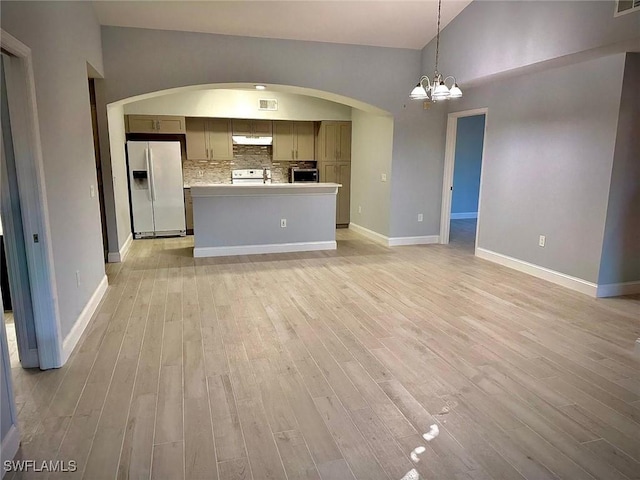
(339, 172)
(188, 210)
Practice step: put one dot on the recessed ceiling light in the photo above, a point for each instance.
(260, 87)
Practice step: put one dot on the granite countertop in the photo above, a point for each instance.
(263, 188)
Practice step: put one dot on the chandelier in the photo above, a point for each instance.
(436, 87)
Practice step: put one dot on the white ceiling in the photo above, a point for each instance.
(384, 23)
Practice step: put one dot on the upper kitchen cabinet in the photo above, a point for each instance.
(154, 124)
(334, 142)
(293, 141)
(252, 128)
(209, 139)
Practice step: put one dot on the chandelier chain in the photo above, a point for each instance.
(438, 35)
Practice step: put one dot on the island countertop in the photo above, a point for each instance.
(228, 189)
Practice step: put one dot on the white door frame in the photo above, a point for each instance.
(18, 280)
(449, 163)
(35, 213)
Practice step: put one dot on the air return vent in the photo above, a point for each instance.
(626, 6)
(268, 104)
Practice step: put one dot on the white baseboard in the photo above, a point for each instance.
(574, 283)
(424, 240)
(119, 256)
(464, 215)
(71, 340)
(370, 234)
(618, 289)
(394, 241)
(10, 445)
(258, 249)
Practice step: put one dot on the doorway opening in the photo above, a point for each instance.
(25, 219)
(462, 178)
(96, 148)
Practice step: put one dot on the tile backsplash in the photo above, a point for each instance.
(206, 172)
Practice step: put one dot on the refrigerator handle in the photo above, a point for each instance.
(152, 184)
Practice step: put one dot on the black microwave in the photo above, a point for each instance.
(303, 175)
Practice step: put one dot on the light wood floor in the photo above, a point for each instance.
(331, 365)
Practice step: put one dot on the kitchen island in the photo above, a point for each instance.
(263, 218)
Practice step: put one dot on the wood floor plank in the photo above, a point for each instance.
(200, 459)
(393, 460)
(168, 461)
(227, 431)
(358, 455)
(168, 421)
(295, 455)
(237, 469)
(321, 444)
(263, 454)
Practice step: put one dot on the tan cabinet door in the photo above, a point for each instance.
(343, 201)
(242, 127)
(262, 127)
(141, 124)
(305, 141)
(155, 124)
(328, 172)
(220, 142)
(283, 141)
(197, 139)
(329, 146)
(334, 142)
(252, 127)
(344, 141)
(167, 124)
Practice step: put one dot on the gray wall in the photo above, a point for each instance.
(372, 144)
(490, 38)
(139, 61)
(468, 161)
(548, 152)
(417, 169)
(136, 63)
(547, 165)
(63, 37)
(621, 250)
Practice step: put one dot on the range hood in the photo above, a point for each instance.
(252, 140)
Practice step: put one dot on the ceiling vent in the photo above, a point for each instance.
(268, 104)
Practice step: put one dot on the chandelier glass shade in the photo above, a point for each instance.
(436, 88)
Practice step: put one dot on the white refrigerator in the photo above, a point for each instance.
(157, 195)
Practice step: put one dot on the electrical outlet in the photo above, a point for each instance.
(420, 217)
(359, 209)
(542, 240)
(383, 177)
(77, 278)
(283, 223)
(92, 191)
(200, 173)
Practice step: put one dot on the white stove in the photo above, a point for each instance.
(253, 176)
